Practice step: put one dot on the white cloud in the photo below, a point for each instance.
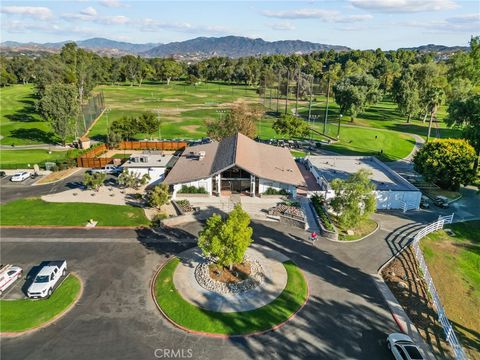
(112, 3)
(113, 20)
(404, 6)
(89, 11)
(17, 26)
(282, 26)
(302, 14)
(321, 14)
(37, 12)
(463, 23)
(151, 25)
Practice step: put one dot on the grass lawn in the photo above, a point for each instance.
(194, 318)
(182, 108)
(24, 314)
(20, 124)
(362, 229)
(19, 159)
(31, 212)
(454, 263)
(297, 154)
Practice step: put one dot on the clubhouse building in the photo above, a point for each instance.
(235, 165)
(391, 190)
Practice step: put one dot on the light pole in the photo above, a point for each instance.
(159, 124)
(107, 110)
(328, 98)
(339, 120)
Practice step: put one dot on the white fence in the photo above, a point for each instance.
(442, 316)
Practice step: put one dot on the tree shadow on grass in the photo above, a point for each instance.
(25, 114)
(34, 134)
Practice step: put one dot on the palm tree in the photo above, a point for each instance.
(436, 97)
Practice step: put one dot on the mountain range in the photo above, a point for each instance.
(198, 48)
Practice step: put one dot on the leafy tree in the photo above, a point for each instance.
(147, 123)
(23, 68)
(354, 198)
(79, 71)
(292, 126)
(465, 114)
(158, 196)
(406, 95)
(446, 162)
(240, 119)
(93, 181)
(132, 179)
(59, 105)
(227, 241)
(168, 69)
(355, 92)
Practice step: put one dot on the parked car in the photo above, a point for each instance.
(20, 176)
(8, 275)
(3, 174)
(441, 201)
(108, 169)
(403, 347)
(424, 202)
(46, 279)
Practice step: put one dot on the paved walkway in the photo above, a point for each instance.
(273, 285)
(311, 220)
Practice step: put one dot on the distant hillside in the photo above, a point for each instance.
(442, 49)
(237, 46)
(201, 47)
(232, 46)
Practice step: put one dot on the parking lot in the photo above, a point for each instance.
(6, 181)
(116, 318)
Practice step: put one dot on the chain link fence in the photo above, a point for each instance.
(89, 112)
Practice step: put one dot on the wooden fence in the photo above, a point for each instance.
(90, 158)
(152, 145)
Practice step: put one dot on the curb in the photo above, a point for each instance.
(400, 316)
(215, 335)
(56, 181)
(357, 240)
(71, 227)
(55, 318)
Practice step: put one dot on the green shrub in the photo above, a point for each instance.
(157, 219)
(318, 202)
(272, 191)
(192, 190)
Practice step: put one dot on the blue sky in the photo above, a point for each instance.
(359, 24)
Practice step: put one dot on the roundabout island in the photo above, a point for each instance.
(259, 292)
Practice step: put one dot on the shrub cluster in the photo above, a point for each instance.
(318, 205)
(272, 191)
(192, 190)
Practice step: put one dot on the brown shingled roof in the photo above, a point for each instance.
(263, 161)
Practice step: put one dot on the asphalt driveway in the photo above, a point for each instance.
(345, 318)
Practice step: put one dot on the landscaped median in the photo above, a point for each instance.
(17, 316)
(194, 319)
(36, 212)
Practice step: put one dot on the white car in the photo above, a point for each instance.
(8, 275)
(46, 279)
(403, 347)
(20, 176)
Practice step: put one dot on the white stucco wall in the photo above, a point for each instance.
(156, 174)
(205, 183)
(396, 199)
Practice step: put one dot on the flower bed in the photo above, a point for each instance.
(287, 210)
